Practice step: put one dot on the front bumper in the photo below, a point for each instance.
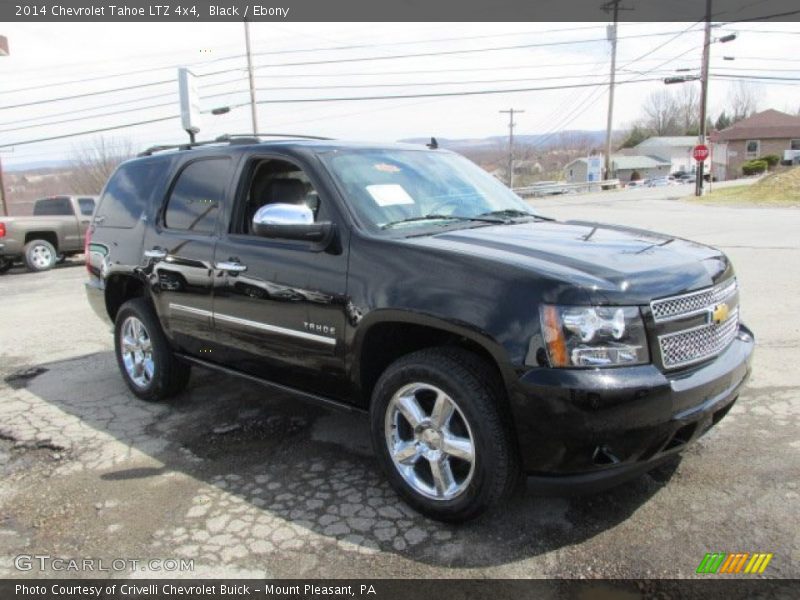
(594, 425)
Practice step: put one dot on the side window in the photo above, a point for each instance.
(58, 206)
(197, 196)
(275, 182)
(127, 194)
(753, 148)
(86, 206)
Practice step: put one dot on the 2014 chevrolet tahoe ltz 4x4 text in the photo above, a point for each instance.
(484, 340)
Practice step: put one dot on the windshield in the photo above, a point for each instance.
(413, 189)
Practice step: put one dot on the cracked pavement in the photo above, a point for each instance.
(248, 482)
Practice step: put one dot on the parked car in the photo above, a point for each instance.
(637, 183)
(661, 181)
(56, 230)
(687, 178)
(484, 340)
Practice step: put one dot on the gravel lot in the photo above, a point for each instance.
(250, 483)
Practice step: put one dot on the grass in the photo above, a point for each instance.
(778, 189)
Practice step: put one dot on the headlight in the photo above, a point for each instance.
(594, 336)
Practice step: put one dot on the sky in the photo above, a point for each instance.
(83, 61)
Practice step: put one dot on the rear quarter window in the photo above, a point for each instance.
(129, 191)
(57, 206)
(86, 206)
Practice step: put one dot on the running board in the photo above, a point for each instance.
(312, 398)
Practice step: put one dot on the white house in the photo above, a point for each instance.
(623, 167)
(676, 149)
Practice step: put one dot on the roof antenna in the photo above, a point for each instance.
(433, 145)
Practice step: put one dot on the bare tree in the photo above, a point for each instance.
(744, 100)
(687, 100)
(662, 113)
(94, 163)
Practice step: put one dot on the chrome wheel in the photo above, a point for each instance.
(41, 256)
(137, 352)
(430, 441)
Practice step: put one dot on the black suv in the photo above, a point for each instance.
(484, 340)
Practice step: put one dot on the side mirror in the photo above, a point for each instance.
(289, 222)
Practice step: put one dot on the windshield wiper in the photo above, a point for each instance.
(480, 218)
(513, 213)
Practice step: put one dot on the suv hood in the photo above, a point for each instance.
(611, 263)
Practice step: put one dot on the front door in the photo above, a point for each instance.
(179, 251)
(279, 306)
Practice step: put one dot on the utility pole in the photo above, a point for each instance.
(251, 77)
(3, 190)
(511, 112)
(611, 33)
(698, 189)
(3, 52)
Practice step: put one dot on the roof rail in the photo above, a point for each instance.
(164, 147)
(230, 138)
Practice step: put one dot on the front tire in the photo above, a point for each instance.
(440, 436)
(145, 359)
(40, 255)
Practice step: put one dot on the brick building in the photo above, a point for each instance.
(767, 132)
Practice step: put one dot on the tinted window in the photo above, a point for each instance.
(86, 205)
(59, 205)
(197, 195)
(128, 192)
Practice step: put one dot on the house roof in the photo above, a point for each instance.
(673, 141)
(621, 161)
(638, 162)
(769, 124)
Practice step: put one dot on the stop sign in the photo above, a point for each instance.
(700, 152)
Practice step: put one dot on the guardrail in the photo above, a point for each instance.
(552, 189)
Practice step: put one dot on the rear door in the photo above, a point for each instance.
(279, 305)
(179, 250)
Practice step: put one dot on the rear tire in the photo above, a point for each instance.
(40, 255)
(145, 359)
(439, 433)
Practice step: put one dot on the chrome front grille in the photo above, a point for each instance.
(685, 305)
(693, 345)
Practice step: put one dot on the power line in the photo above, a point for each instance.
(441, 53)
(342, 99)
(99, 130)
(292, 51)
(85, 94)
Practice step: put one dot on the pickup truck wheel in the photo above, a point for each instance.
(40, 255)
(144, 356)
(5, 264)
(439, 434)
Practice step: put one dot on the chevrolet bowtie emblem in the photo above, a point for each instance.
(720, 313)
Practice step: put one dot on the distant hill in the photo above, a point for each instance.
(545, 140)
(37, 165)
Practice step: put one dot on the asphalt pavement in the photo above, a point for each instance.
(247, 482)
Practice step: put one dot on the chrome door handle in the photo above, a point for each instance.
(155, 253)
(234, 267)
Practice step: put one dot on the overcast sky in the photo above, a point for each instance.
(48, 56)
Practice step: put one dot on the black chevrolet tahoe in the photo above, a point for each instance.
(484, 341)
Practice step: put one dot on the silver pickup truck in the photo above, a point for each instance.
(56, 230)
